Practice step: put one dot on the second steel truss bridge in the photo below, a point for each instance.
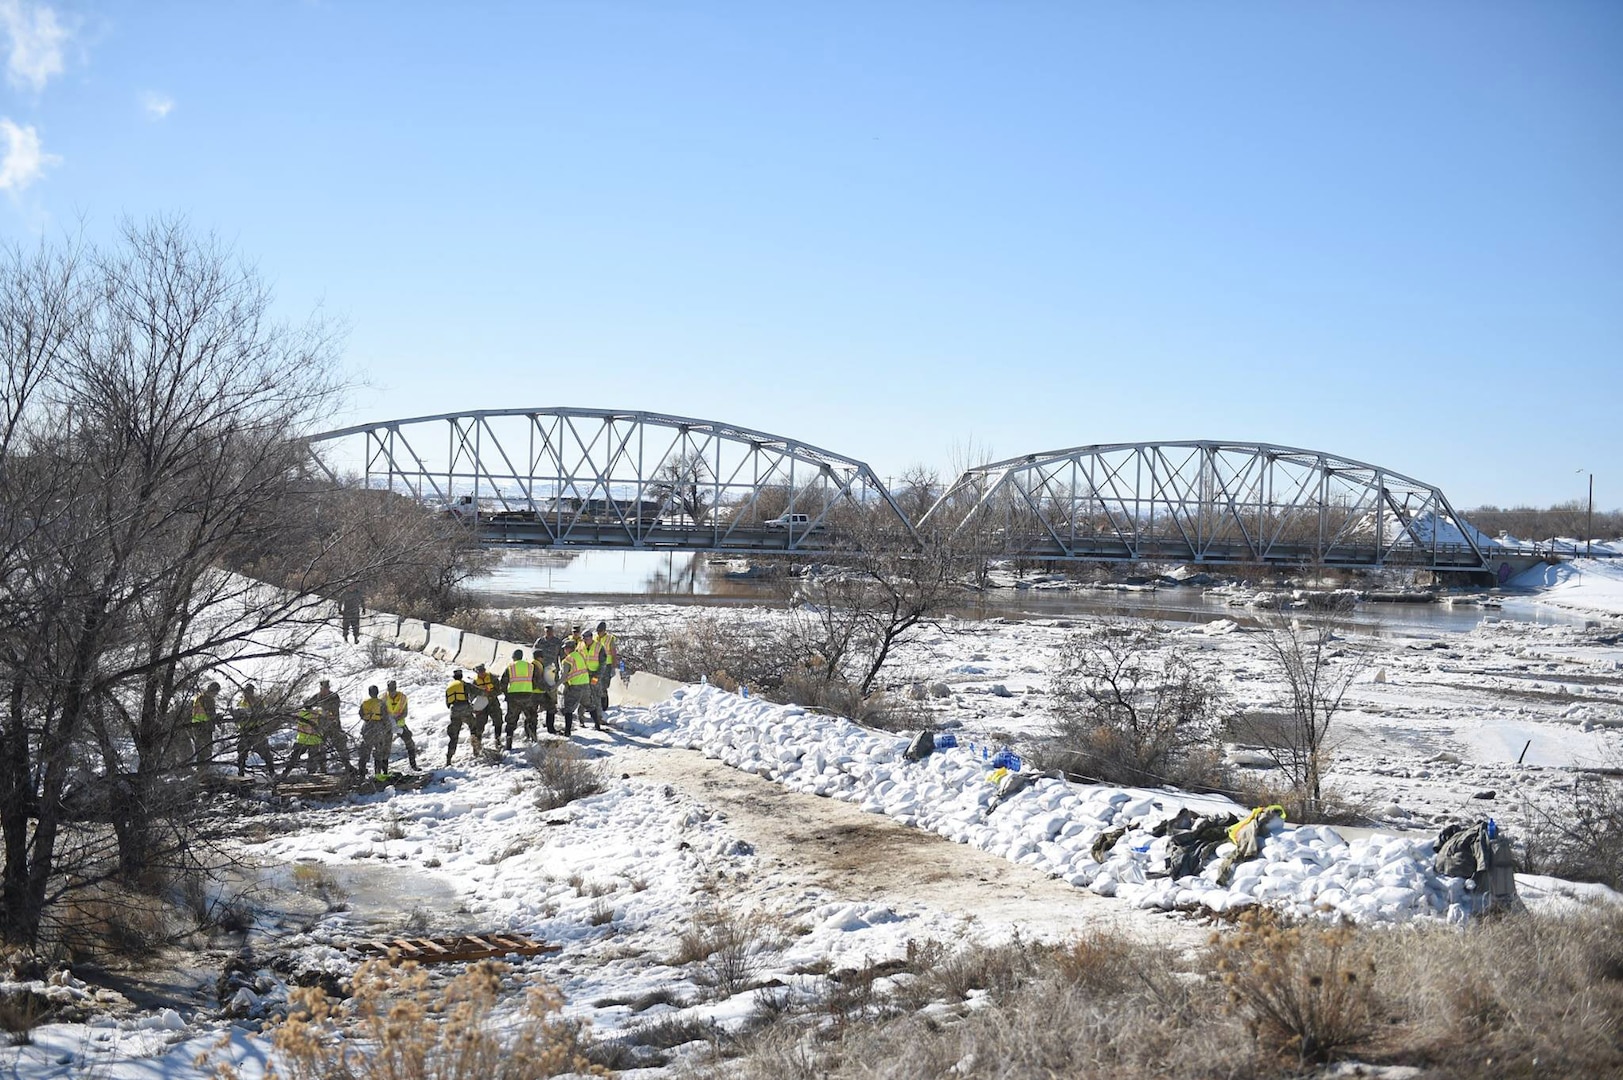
(1206, 502)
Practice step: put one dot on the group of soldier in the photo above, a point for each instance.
(582, 665)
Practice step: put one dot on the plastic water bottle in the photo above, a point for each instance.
(704, 680)
(743, 690)
(1493, 830)
(621, 668)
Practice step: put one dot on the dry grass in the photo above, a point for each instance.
(21, 1011)
(1515, 997)
(398, 1025)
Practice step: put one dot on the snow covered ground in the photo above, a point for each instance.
(1589, 585)
(718, 806)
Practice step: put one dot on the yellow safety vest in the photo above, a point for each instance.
(456, 693)
(309, 731)
(520, 677)
(395, 702)
(578, 674)
(608, 641)
(371, 710)
(199, 713)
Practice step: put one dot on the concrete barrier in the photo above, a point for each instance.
(642, 688)
(504, 653)
(413, 634)
(444, 642)
(381, 624)
(477, 649)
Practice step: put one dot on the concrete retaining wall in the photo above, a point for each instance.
(478, 649)
(381, 624)
(413, 634)
(444, 642)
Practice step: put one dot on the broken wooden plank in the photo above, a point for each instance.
(458, 947)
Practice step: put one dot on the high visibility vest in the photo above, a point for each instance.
(456, 693)
(608, 642)
(395, 702)
(486, 683)
(371, 709)
(246, 705)
(594, 657)
(309, 730)
(520, 677)
(200, 712)
(576, 673)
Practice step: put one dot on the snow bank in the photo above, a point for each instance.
(1053, 825)
(1582, 584)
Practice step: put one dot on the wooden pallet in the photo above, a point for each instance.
(447, 950)
(335, 787)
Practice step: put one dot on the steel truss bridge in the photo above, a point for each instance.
(1207, 502)
(593, 478)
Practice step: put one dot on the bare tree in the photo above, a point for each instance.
(152, 411)
(1319, 665)
(1133, 709)
(851, 615)
(684, 483)
(917, 489)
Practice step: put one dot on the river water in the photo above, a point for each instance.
(533, 577)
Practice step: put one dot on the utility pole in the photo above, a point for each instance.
(1589, 526)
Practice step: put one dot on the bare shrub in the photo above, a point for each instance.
(107, 922)
(1333, 807)
(1580, 835)
(723, 650)
(21, 1011)
(1306, 991)
(315, 880)
(510, 624)
(564, 773)
(400, 1025)
(383, 654)
(1133, 709)
(730, 947)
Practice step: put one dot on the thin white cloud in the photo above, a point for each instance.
(22, 158)
(157, 105)
(36, 37)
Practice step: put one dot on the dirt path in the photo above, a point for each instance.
(812, 842)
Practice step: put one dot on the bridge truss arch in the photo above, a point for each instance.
(569, 477)
(1206, 502)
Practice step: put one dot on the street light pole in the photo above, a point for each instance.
(1589, 526)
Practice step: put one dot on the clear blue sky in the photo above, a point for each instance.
(1393, 231)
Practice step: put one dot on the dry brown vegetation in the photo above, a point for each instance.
(399, 1024)
(564, 773)
(1516, 996)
